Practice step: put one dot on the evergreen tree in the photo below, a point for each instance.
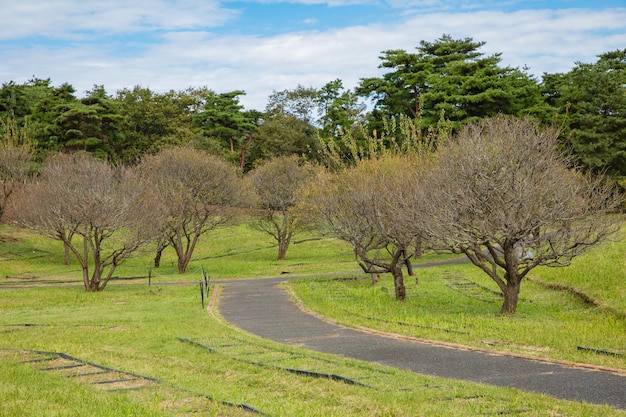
(153, 120)
(226, 127)
(592, 98)
(452, 77)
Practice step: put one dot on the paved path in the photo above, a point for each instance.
(262, 308)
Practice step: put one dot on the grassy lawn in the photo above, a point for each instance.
(581, 319)
(190, 362)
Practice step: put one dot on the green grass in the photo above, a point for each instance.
(549, 323)
(233, 252)
(138, 329)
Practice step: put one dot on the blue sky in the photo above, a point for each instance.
(261, 46)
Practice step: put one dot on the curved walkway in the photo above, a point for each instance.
(259, 306)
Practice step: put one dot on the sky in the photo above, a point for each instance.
(262, 46)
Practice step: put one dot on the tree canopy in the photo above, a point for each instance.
(195, 190)
(592, 100)
(445, 80)
(450, 77)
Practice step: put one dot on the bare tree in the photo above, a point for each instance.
(101, 213)
(358, 205)
(16, 154)
(197, 191)
(275, 186)
(505, 195)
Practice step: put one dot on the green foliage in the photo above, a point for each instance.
(224, 124)
(155, 120)
(447, 76)
(401, 135)
(283, 134)
(592, 101)
(338, 109)
(451, 76)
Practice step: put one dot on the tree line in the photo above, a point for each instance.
(457, 155)
(446, 79)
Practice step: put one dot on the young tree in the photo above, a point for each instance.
(504, 195)
(102, 214)
(359, 205)
(197, 192)
(275, 186)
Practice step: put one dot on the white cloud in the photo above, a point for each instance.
(546, 41)
(66, 18)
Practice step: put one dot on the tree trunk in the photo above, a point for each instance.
(511, 293)
(398, 283)
(162, 243)
(419, 248)
(282, 250)
(93, 282)
(244, 149)
(84, 261)
(182, 264)
(283, 245)
(183, 251)
(512, 278)
(66, 252)
(398, 260)
(409, 264)
(157, 257)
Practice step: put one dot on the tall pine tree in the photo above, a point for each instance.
(593, 99)
(450, 77)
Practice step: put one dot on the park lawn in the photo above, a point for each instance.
(162, 332)
(459, 304)
(203, 364)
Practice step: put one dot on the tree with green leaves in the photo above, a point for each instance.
(338, 109)
(282, 134)
(93, 124)
(287, 126)
(38, 104)
(452, 77)
(225, 125)
(299, 102)
(591, 100)
(154, 120)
